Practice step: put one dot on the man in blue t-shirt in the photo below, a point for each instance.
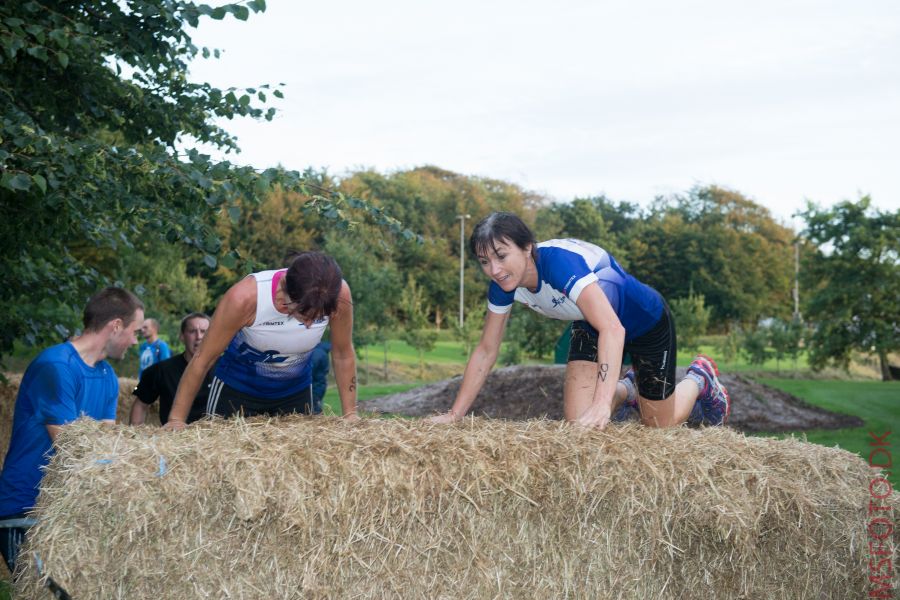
(65, 382)
(153, 350)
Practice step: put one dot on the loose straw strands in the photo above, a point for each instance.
(318, 507)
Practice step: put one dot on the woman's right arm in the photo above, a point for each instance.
(480, 363)
(235, 310)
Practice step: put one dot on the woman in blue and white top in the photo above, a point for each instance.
(612, 312)
(263, 333)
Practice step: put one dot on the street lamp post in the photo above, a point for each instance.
(462, 263)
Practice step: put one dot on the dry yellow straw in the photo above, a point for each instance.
(318, 507)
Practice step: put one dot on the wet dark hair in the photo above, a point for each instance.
(499, 226)
(109, 304)
(313, 282)
(192, 316)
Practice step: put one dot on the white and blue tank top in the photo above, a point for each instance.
(272, 357)
(564, 269)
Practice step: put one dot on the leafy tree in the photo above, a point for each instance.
(428, 199)
(785, 337)
(167, 288)
(721, 245)
(691, 319)
(530, 334)
(376, 287)
(853, 281)
(416, 331)
(620, 218)
(95, 100)
(98, 115)
(730, 345)
(583, 219)
(755, 345)
(267, 229)
(470, 332)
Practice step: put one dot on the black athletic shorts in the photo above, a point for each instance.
(225, 401)
(652, 354)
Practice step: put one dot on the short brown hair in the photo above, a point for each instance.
(192, 316)
(108, 304)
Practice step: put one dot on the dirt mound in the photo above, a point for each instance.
(533, 391)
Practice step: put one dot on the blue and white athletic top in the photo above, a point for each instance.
(564, 269)
(271, 358)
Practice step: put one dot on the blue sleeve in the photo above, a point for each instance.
(112, 403)
(54, 392)
(164, 351)
(498, 298)
(562, 269)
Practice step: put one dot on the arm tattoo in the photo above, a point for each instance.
(604, 371)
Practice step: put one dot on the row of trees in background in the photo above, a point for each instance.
(100, 185)
(723, 262)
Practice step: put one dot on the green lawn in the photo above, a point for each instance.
(445, 352)
(877, 403)
(333, 403)
(740, 364)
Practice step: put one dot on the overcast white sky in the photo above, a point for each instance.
(781, 100)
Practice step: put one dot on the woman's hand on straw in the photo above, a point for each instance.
(448, 417)
(174, 425)
(595, 416)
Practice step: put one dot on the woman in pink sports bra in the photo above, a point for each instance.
(262, 335)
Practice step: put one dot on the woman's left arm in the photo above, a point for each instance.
(342, 352)
(599, 313)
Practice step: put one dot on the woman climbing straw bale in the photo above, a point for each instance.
(573, 280)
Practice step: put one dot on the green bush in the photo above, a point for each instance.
(691, 319)
(529, 334)
(755, 345)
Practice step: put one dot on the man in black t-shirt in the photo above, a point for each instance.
(160, 381)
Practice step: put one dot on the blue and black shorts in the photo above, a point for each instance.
(225, 401)
(652, 354)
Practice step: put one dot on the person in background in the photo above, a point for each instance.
(160, 381)
(65, 382)
(319, 374)
(153, 349)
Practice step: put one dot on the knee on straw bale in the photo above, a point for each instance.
(300, 507)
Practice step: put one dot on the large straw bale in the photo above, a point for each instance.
(126, 399)
(319, 507)
(8, 393)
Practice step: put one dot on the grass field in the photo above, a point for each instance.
(332, 403)
(877, 403)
